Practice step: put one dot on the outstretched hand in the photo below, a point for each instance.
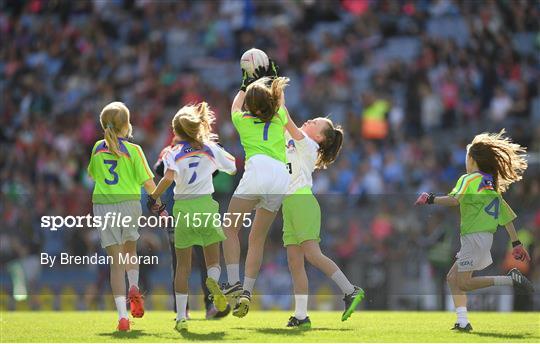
(425, 198)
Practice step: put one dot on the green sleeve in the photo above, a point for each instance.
(142, 170)
(506, 214)
(458, 189)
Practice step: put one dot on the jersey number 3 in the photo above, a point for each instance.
(492, 209)
(113, 164)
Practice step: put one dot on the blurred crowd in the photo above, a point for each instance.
(411, 82)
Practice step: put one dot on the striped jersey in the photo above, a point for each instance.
(193, 167)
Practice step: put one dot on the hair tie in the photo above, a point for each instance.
(109, 125)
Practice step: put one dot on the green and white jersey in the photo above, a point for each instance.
(258, 137)
(118, 178)
(301, 159)
(482, 208)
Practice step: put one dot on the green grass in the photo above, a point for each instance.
(269, 327)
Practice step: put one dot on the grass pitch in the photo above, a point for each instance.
(269, 327)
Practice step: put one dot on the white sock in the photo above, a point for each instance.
(121, 306)
(233, 273)
(502, 280)
(181, 304)
(249, 283)
(343, 282)
(214, 272)
(462, 316)
(300, 306)
(133, 278)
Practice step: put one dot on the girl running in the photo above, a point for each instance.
(493, 163)
(190, 164)
(314, 146)
(119, 168)
(264, 183)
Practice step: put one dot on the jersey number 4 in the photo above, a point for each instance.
(113, 164)
(492, 209)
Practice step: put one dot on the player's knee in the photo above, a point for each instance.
(465, 284)
(312, 256)
(295, 262)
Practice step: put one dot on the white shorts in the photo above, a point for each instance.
(110, 232)
(475, 252)
(265, 179)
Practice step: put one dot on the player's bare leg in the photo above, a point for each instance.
(353, 294)
(118, 285)
(211, 257)
(136, 301)
(257, 237)
(231, 245)
(295, 259)
(183, 270)
(460, 300)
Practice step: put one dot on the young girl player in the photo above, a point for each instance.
(190, 164)
(119, 168)
(264, 183)
(493, 163)
(314, 146)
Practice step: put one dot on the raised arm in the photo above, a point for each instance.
(291, 126)
(238, 102)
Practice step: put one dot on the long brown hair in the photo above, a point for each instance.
(194, 123)
(497, 155)
(330, 146)
(113, 119)
(263, 97)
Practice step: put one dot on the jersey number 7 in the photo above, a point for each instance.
(265, 130)
(194, 175)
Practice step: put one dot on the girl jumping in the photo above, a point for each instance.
(315, 146)
(119, 168)
(190, 164)
(493, 163)
(262, 134)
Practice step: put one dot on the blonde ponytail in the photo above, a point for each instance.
(112, 141)
(194, 123)
(114, 118)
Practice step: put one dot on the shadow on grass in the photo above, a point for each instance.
(206, 337)
(134, 334)
(505, 335)
(291, 331)
(125, 335)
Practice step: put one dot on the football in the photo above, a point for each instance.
(252, 59)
